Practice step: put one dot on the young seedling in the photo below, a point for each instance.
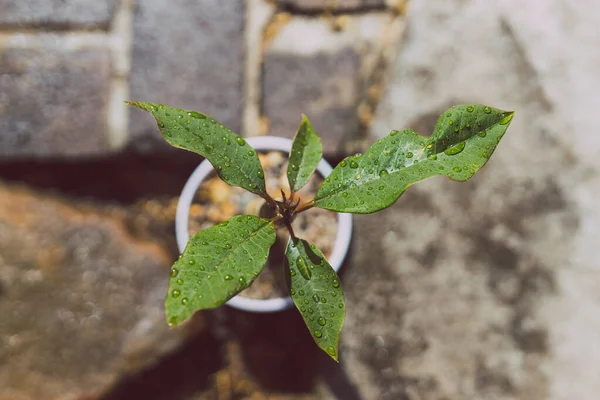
(223, 260)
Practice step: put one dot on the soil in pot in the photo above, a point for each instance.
(215, 201)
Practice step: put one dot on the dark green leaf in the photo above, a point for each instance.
(216, 264)
(235, 161)
(317, 293)
(305, 155)
(463, 140)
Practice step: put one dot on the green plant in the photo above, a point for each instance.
(220, 261)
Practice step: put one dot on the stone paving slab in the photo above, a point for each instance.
(80, 299)
(56, 14)
(53, 101)
(485, 289)
(187, 54)
(310, 68)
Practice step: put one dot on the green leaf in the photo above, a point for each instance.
(216, 264)
(235, 161)
(464, 139)
(317, 293)
(306, 153)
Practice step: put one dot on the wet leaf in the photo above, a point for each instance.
(463, 140)
(316, 291)
(235, 161)
(216, 264)
(305, 155)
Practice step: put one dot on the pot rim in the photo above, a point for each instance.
(259, 143)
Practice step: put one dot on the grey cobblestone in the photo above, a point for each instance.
(311, 69)
(188, 54)
(48, 13)
(290, 89)
(53, 102)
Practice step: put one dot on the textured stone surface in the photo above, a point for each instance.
(311, 69)
(80, 299)
(63, 13)
(53, 101)
(333, 5)
(486, 289)
(187, 54)
(479, 290)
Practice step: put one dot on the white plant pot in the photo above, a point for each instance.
(259, 143)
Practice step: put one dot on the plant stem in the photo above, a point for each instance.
(270, 200)
(305, 206)
(276, 218)
(288, 225)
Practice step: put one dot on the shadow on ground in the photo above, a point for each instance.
(122, 178)
(178, 375)
(276, 352)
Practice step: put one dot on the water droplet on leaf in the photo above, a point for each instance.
(303, 268)
(454, 150)
(196, 115)
(507, 118)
